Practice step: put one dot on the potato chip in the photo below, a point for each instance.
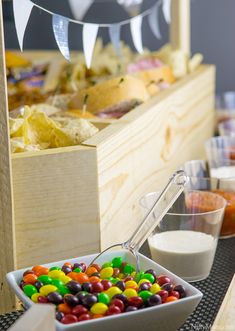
(16, 127)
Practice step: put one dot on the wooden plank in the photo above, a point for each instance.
(225, 319)
(180, 29)
(56, 205)
(138, 157)
(7, 235)
(37, 318)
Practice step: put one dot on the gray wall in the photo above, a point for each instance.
(213, 23)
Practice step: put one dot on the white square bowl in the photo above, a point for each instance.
(166, 317)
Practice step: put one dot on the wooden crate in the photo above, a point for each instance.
(64, 202)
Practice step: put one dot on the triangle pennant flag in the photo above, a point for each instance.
(166, 8)
(79, 8)
(60, 28)
(22, 10)
(136, 24)
(153, 20)
(89, 34)
(114, 33)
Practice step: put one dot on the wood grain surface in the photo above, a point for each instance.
(7, 228)
(225, 320)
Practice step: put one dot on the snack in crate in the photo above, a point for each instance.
(120, 93)
(34, 130)
(83, 293)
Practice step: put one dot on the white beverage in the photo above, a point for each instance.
(188, 254)
(223, 172)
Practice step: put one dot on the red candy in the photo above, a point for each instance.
(135, 301)
(69, 319)
(84, 317)
(42, 299)
(113, 310)
(79, 310)
(163, 280)
(118, 303)
(163, 294)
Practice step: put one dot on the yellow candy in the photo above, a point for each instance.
(131, 283)
(56, 274)
(46, 289)
(99, 308)
(65, 279)
(143, 281)
(106, 273)
(133, 274)
(35, 296)
(121, 276)
(113, 291)
(155, 288)
(130, 292)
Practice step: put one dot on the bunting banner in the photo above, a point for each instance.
(79, 8)
(22, 10)
(153, 20)
(60, 29)
(166, 8)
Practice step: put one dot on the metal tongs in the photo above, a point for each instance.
(164, 202)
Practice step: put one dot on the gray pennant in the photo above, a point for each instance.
(114, 33)
(60, 28)
(153, 20)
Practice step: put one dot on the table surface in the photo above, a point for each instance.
(213, 288)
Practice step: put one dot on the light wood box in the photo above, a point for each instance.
(79, 200)
(61, 203)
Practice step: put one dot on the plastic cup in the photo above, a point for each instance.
(185, 241)
(227, 128)
(221, 156)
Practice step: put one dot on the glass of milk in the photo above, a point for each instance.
(185, 240)
(221, 156)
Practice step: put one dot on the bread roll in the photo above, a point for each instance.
(111, 94)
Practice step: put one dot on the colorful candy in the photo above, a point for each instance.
(81, 293)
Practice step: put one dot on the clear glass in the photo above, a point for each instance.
(186, 238)
(227, 128)
(225, 106)
(225, 187)
(221, 156)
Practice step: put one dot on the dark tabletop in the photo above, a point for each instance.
(213, 288)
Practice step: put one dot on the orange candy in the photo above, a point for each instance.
(94, 265)
(90, 271)
(72, 275)
(82, 278)
(30, 279)
(171, 299)
(94, 279)
(40, 270)
(64, 308)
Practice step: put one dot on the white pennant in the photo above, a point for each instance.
(114, 33)
(22, 10)
(166, 8)
(89, 34)
(79, 8)
(153, 20)
(136, 24)
(60, 28)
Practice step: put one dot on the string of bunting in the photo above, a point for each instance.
(22, 10)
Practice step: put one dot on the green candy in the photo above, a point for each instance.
(29, 290)
(128, 269)
(112, 280)
(54, 268)
(63, 290)
(46, 280)
(117, 262)
(78, 270)
(139, 276)
(145, 295)
(150, 277)
(57, 282)
(107, 265)
(103, 298)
